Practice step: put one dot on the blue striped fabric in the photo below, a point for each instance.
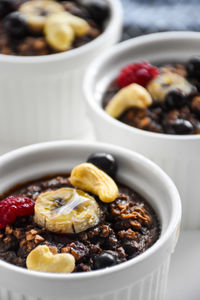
(147, 16)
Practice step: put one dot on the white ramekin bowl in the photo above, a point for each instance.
(41, 98)
(177, 155)
(143, 277)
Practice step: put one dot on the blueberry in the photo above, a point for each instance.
(15, 25)
(104, 260)
(193, 67)
(98, 10)
(6, 7)
(180, 126)
(105, 162)
(175, 99)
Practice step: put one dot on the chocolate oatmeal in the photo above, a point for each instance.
(163, 99)
(116, 226)
(41, 27)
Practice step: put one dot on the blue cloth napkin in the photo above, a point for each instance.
(147, 16)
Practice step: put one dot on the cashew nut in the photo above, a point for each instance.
(60, 30)
(88, 177)
(133, 95)
(42, 259)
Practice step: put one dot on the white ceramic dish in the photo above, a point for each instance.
(177, 155)
(41, 98)
(144, 277)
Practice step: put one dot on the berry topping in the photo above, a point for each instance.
(140, 73)
(193, 67)
(175, 99)
(7, 6)
(105, 162)
(13, 207)
(98, 10)
(104, 260)
(180, 126)
(15, 25)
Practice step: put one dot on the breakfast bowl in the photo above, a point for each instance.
(176, 154)
(42, 94)
(142, 276)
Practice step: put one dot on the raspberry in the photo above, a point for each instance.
(13, 207)
(140, 73)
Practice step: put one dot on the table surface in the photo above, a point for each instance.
(184, 275)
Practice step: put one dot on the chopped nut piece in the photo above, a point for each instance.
(129, 234)
(33, 231)
(38, 239)
(135, 224)
(129, 216)
(8, 229)
(121, 252)
(29, 236)
(53, 249)
(66, 250)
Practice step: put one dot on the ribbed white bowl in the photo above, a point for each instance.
(142, 278)
(177, 155)
(41, 98)
(151, 287)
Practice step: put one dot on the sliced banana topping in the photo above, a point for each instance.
(88, 177)
(164, 83)
(66, 210)
(60, 30)
(37, 11)
(133, 95)
(43, 260)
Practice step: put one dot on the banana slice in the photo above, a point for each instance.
(133, 95)
(66, 210)
(164, 83)
(37, 12)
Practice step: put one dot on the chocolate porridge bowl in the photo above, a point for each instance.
(151, 131)
(142, 202)
(46, 83)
